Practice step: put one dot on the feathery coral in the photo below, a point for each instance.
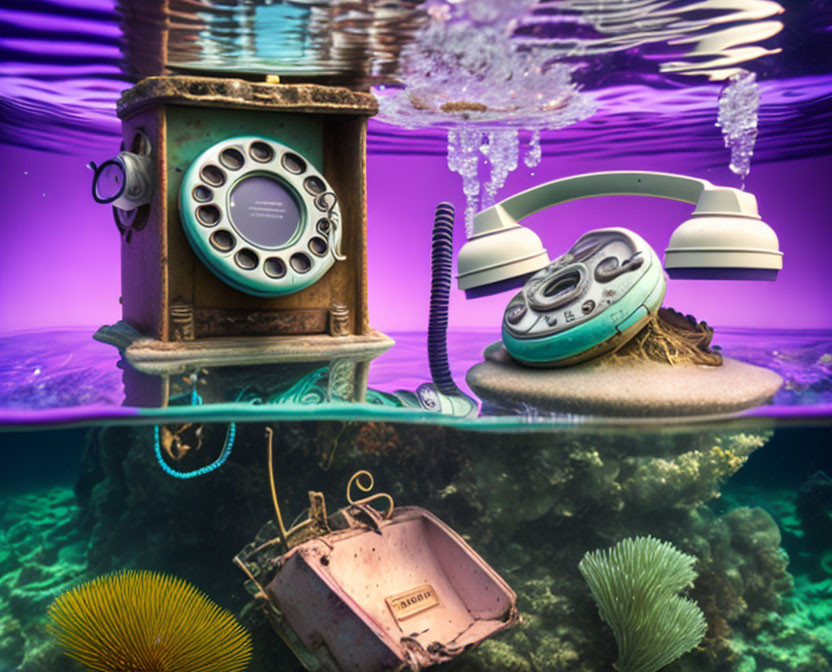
(636, 585)
(140, 621)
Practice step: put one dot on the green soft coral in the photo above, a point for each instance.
(636, 585)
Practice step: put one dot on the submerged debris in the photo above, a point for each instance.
(673, 338)
(535, 502)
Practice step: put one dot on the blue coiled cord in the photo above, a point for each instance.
(196, 400)
(441, 257)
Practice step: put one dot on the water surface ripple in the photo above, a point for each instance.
(63, 64)
(66, 376)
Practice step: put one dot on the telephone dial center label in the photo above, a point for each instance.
(264, 212)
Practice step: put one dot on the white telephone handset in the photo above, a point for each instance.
(607, 286)
(724, 239)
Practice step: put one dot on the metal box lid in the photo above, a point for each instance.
(403, 594)
(242, 94)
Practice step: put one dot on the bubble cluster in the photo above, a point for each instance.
(465, 73)
(739, 103)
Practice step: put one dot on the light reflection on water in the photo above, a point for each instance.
(52, 370)
(66, 61)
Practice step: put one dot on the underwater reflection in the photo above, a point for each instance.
(363, 39)
(283, 385)
(65, 376)
(392, 382)
(68, 61)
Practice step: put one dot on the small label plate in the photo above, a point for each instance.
(412, 602)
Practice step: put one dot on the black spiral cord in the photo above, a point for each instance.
(440, 290)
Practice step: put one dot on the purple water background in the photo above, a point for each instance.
(60, 265)
(62, 67)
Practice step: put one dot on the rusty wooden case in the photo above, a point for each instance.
(167, 293)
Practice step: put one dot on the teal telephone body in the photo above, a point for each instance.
(589, 301)
(260, 216)
(600, 293)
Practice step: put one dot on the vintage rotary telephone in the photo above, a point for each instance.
(605, 288)
(242, 209)
(258, 214)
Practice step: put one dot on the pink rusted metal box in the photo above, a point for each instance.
(400, 593)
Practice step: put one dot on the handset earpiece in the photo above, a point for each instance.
(724, 238)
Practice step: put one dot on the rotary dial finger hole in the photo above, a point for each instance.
(246, 259)
(232, 158)
(222, 241)
(300, 263)
(318, 246)
(213, 175)
(261, 152)
(208, 215)
(274, 267)
(293, 163)
(202, 193)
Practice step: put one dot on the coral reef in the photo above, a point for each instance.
(796, 637)
(531, 503)
(690, 478)
(43, 551)
(742, 572)
(147, 621)
(814, 506)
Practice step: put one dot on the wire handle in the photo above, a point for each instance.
(366, 487)
(281, 528)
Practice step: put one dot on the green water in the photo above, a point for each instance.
(75, 504)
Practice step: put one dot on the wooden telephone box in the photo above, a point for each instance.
(250, 241)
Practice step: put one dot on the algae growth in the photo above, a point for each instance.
(532, 504)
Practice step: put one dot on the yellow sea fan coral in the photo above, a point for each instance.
(140, 621)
